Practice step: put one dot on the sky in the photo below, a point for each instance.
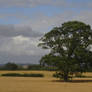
(24, 22)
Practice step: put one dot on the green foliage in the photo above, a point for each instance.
(41, 67)
(70, 48)
(61, 75)
(47, 60)
(34, 67)
(11, 66)
(22, 75)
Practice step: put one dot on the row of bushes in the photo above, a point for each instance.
(22, 75)
(39, 75)
(57, 75)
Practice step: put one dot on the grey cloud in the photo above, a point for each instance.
(17, 15)
(18, 43)
(34, 3)
(13, 30)
(9, 3)
(21, 46)
(20, 49)
(46, 23)
(27, 3)
(84, 16)
(4, 58)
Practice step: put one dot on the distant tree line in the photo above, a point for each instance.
(42, 66)
(14, 66)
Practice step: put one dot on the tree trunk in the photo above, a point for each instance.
(66, 79)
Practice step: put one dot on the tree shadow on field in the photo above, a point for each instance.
(74, 81)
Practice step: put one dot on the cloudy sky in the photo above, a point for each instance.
(23, 22)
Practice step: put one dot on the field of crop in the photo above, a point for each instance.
(45, 84)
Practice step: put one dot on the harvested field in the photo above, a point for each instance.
(45, 84)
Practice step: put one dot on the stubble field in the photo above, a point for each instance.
(45, 84)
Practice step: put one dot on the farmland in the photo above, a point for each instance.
(45, 84)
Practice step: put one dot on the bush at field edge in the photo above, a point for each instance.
(22, 75)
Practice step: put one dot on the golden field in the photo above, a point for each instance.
(45, 84)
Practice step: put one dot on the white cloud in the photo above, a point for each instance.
(21, 47)
(19, 41)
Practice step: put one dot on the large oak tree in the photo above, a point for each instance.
(71, 43)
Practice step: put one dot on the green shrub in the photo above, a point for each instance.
(11, 74)
(57, 75)
(22, 75)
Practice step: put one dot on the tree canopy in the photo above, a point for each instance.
(72, 43)
(11, 66)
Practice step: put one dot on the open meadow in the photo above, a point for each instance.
(45, 84)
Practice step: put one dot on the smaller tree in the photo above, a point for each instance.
(11, 66)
